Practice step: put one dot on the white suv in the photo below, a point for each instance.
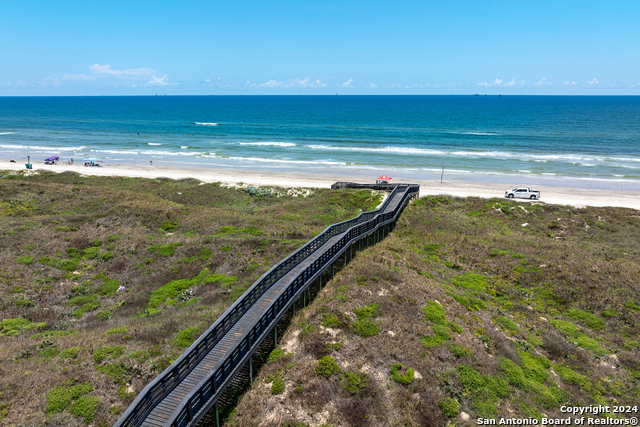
(522, 193)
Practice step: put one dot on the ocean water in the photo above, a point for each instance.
(575, 140)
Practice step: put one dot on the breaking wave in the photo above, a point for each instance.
(272, 144)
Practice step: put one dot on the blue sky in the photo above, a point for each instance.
(314, 47)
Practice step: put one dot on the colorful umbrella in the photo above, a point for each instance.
(51, 159)
(384, 178)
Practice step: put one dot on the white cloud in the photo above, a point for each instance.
(208, 81)
(133, 72)
(348, 83)
(593, 82)
(79, 77)
(394, 86)
(159, 81)
(570, 83)
(372, 86)
(291, 84)
(50, 81)
(499, 83)
(543, 82)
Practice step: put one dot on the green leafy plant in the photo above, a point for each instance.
(405, 379)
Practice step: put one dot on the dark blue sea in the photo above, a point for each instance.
(572, 139)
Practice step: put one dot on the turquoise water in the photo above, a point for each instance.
(482, 138)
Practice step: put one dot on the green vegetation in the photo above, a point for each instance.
(185, 337)
(25, 260)
(353, 382)
(60, 397)
(118, 330)
(277, 387)
(486, 390)
(589, 320)
(572, 333)
(326, 367)
(441, 327)
(275, 355)
(507, 323)
(471, 281)
(365, 326)
(14, 327)
(405, 379)
(174, 288)
(449, 407)
(85, 407)
(112, 352)
(560, 279)
(71, 352)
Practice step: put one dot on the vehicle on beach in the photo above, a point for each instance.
(522, 193)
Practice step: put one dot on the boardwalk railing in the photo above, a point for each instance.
(206, 393)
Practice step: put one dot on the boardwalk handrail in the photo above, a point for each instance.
(209, 387)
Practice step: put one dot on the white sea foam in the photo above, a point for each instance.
(184, 146)
(170, 153)
(571, 158)
(114, 151)
(478, 133)
(301, 162)
(396, 150)
(273, 144)
(39, 148)
(7, 133)
(154, 143)
(207, 124)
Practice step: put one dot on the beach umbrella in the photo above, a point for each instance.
(51, 159)
(384, 178)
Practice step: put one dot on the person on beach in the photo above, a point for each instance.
(150, 162)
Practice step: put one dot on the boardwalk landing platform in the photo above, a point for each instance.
(183, 393)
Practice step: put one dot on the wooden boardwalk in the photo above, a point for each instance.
(182, 395)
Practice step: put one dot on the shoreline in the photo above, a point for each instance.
(549, 194)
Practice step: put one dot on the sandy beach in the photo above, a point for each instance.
(549, 194)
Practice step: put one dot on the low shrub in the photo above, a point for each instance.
(353, 382)
(60, 397)
(71, 352)
(102, 353)
(85, 407)
(589, 320)
(405, 379)
(449, 407)
(118, 330)
(277, 387)
(185, 337)
(326, 367)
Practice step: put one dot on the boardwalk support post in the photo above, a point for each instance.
(275, 336)
(251, 369)
(216, 418)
